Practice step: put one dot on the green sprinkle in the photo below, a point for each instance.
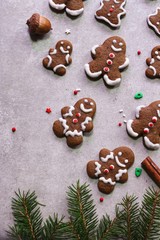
(138, 172)
(138, 95)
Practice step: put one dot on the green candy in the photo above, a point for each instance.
(138, 95)
(138, 172)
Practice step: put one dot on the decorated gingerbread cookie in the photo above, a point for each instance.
(75, 121)
(153, 70)
(111, 12)
(112, 168)
(59, 58)
(147, 125)
(154, 21)
(72, 7)
(109, 59)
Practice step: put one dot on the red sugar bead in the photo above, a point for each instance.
(111, 167)
(75, 120)
(109, 62)
(78, 115)
(14, 129)
(106, 170)
(48, 110)
(106, 69)
(101, 199)
(139, 52)
(154, 119)
(120, 124)
(111, 9)
(150, 124)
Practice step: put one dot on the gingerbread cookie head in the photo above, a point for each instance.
(59, 58)
(111, 168)
(153, 70)
(147, 125)
(111, 12)
(75, 121)
(72, 7)
(64, 47)
(109, 59)
(154, 21)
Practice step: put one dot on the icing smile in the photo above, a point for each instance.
(63, 51)
(86, 110)
(116, 49)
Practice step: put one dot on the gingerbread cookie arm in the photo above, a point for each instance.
(154, 21)
(125, 64)
(87, 125)
(58, 4)
(67, 111)
(149, 61)
(122, 176)
(60, 127)
(96, 51)
(93, 169)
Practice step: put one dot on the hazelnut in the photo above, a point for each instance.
(38, 24)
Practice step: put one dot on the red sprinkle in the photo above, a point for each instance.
(75, 120)
(75, 92)
(101, 199)
(111, 9)
(14, 129)
(119, 124)
(139, 52)
(106, 171)
(78, 115)
(111, 167)
(48, 110)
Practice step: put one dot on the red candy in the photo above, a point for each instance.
(111, 167)
(111, 55)
(154, 119)
(106, 69)
(109, 62)
(111, 9)
(75, 120)
(119, 124)
(150, 124)
(106, 170)
(101, 199)
(146, 130)
(78, 115)
(14, 129)
(48, 110)
(139, 52)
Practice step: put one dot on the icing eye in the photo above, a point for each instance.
(106, 171)
(78, 115)
(113, 6)
(159, 105)
(62, 43)
(75, 120)
(120, 44)
(91, 103)
(68, 47)
(114, 41)
(126, 160)
(112, 55)
(109, 14)
(85, 100)
(157, 23)
(156, 52)
(109, 62)
(111, 167)
(146, 130)
(150, 124)
(154, 119)
(106, 69)
(119, 154)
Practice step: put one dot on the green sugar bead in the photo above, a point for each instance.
(138, 95)
(138, 172)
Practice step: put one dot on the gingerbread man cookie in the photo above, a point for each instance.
(146, 125)
(108, 60)
(154, 21)
(75, 120)
(59, 58)
(72, 7)
(111, 168)
(111, 12)
(153, 71)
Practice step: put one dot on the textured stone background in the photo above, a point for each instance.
(33, 158)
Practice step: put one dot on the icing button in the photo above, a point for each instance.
(150, 124)
(111, 167)
(112, 55)
(78, 115)
(106, 69)
(146, 130)
(154, 119)
(111, 9)
(109, 62)
(106, 171)
(75, 120)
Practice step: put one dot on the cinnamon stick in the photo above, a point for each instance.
(152, 170)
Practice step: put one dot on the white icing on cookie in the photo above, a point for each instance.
(152, 61)
(158, 57)
(94, 49)
(67, 58)
(125, 64)
(119, 163)
(138, 109)
(116, 49)
(118, 16)
(64, 124)
(85, 110)
(151, 145)
(109, 180)
(91, 74)
(111, 82)
(63, 51)
(120, 173)
(57, 6)
(87, 120)
(74, 12)
(153, 69)
(130, 129)
(73, 133)
(109, 156)
(158, 112)
(50, 61)
(126, 160)
(69, 114)
(152, 25)
(97, 169)
(58, 66)
(53, 52)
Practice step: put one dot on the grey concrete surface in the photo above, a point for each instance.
(33, 158)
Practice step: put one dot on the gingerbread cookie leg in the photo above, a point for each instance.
(152, 141)
(112, 78)
(74, 138)
(74, 8)
(58, 4)
(106, 186)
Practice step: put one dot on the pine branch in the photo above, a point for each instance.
(149, 217)
(27, 217)
(82, 212)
